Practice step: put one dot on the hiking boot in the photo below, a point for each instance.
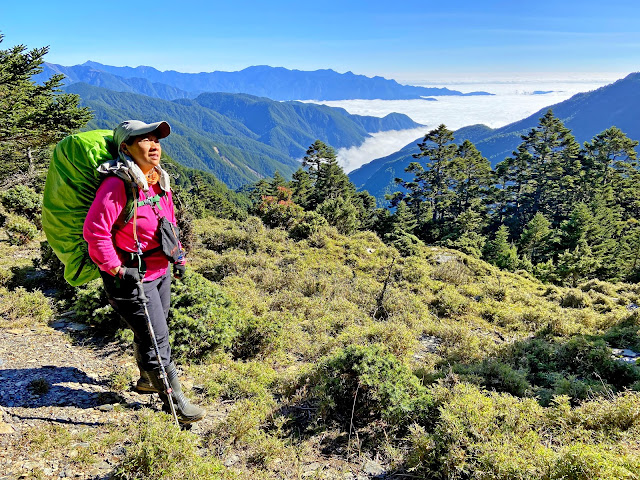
(143, 385)
(187, 412)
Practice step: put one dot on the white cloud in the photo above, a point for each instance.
(513, 100)
(378, 145)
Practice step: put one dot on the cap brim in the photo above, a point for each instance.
(161, 130)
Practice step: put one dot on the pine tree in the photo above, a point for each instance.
(576, 264)
(471, 177)
(332, 182)
(500, 252)
(32, 116)
(277, 181)
(536, 238)
(429, 192)
(317, 154)
(544, 173)
(301, 187)
(401, 234)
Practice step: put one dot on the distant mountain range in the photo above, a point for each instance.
(239, 138)
(586, 114)
(276, 83)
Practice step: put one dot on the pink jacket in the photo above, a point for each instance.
(102, 238)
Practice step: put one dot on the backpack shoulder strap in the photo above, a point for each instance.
(131, 190)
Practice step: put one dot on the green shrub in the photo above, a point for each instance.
(201, 319)
(583, 461)
(259, 334)
(20, 307)
(23, 201)
(449, 302)
(222, 240)
(340, 213)
(92, 307)
(501, 377)
(308, 224)
(20, 230)
(243, 422)
(592, 359)
(158, 450)
(236, 380)
(374, 385)
(574, 298)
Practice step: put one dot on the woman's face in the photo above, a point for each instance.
(145, 151)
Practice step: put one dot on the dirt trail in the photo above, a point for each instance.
(75, 365)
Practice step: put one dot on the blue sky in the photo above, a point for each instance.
(406, 40)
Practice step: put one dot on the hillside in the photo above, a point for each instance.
(330, 357)
(273, 82)
(238, 138)
(586, 114)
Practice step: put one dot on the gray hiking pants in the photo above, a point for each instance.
(123, 297)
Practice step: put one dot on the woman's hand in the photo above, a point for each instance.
(178, 270)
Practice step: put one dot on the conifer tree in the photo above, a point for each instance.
(401, 234)
(32, 116)
(301, 187)
(544, 172)
(332, 182)
(500, 252)
(428, 195)
(471, 178)
(277, 181)
(536, 238)
(577, 264)
(317, 154)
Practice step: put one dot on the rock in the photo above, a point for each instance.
(311, 469)
(119, 451)
(5, 428)
(442, 258)
(77, 327)
(30, 465)
(231, 460)
(373, 468)
(105, 408)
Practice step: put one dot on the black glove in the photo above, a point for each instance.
(130, 274)
(178, 270)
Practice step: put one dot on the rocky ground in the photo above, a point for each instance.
(62, 376)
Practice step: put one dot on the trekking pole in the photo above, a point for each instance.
(163, 373)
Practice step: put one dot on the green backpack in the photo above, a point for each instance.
(72, 182)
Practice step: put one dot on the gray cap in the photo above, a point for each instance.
(132, 128)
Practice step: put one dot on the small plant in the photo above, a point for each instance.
(120, 379)
(309, 224)
(159, 450)
(368, 383)
(23, 201)
(20, 307)
(202, 318)
(20, 230)
(39, 386)
(92, 307)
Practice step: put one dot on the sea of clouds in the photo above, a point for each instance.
(514, 98)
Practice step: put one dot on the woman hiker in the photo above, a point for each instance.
(115, 247)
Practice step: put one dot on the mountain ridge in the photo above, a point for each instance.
(240, 138)
(277, 83)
